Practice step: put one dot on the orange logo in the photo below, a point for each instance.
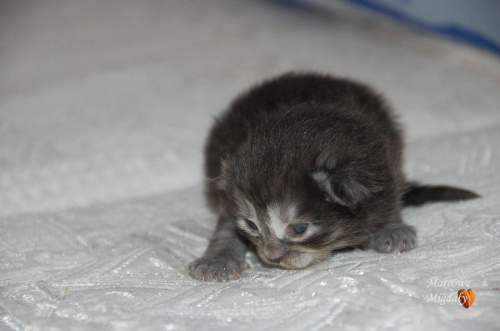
(466, 297)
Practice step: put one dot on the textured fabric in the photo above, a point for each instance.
(104, 107)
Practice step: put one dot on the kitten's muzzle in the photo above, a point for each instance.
(274, 254)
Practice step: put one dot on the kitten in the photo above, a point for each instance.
(302, 165)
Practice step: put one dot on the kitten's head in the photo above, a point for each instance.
(295, 217)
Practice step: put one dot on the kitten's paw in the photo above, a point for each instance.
(403, 238)
(216, 269)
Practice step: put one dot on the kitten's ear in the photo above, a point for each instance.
(221, 184)
(221, 180)
(342, 186)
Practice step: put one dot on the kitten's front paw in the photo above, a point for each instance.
(403, 238)
(216, 269)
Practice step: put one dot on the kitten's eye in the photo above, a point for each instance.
(299, 228)
(251, 224)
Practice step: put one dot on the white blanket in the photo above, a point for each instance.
(104, 107)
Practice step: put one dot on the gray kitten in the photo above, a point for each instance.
(302, 165)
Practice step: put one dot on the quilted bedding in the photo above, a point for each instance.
(104, 106)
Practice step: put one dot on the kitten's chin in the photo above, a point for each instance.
(295, 260)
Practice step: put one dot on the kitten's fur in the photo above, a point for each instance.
(307, 148)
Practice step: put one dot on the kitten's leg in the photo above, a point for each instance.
(224, 258)
(394, 236)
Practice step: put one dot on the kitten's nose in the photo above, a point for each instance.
(276, 260)
(274, 254)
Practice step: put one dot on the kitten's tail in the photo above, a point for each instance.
(417, 195)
